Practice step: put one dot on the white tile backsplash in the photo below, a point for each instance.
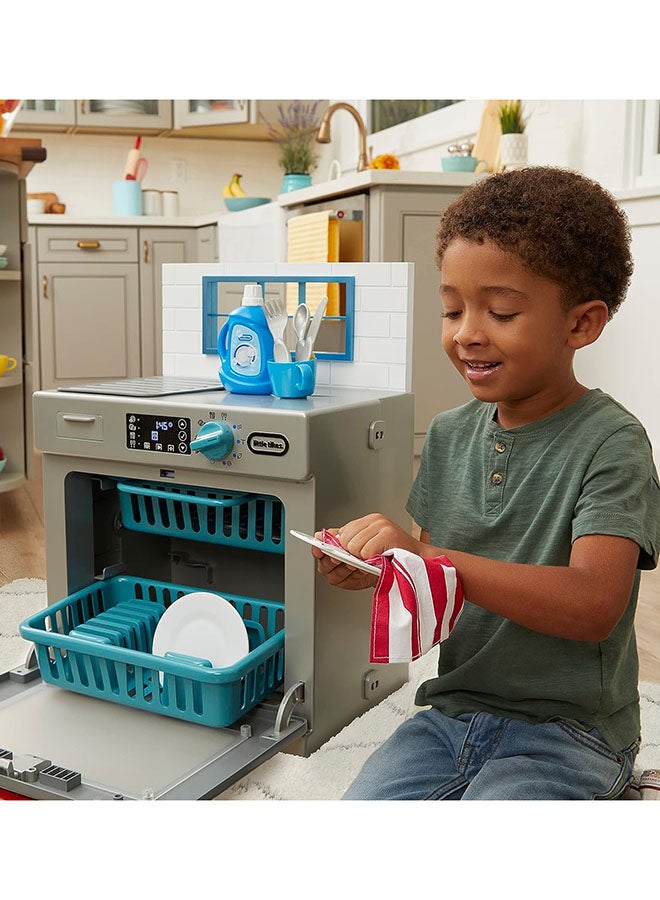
(383, 320)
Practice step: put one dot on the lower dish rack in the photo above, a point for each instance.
(98, 642)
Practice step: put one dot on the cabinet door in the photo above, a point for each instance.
(403, 224)
(159, 246)
(207, 243)
(189, 113)
(90, 322)
(47, 113)
(125, 114)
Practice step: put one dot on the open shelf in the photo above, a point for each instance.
(9, 380)
(9, 481)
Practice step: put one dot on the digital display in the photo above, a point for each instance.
(159, 434)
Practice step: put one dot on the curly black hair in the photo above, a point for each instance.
(561, 224)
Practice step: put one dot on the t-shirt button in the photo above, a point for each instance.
(500, 446)
(497, 478)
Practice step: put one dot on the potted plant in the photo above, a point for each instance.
(295, 133)
(513, 143)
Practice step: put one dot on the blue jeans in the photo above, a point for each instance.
(482, 757)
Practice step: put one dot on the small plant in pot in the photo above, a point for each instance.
(295, 133)
(513, 143)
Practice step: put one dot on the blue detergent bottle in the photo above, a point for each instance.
(245, 345)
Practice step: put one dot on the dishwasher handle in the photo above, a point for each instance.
(137, 489)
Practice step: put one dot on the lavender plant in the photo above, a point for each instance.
(295, 133)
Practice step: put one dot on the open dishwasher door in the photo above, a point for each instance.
(56, 744)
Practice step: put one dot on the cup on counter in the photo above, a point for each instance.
(126, 198)
(170, 201)
(7, 364)
(294, 379)
(152, 204)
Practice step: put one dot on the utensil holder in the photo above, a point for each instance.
(126, 198)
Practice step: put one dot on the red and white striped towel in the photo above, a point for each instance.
(416, 604)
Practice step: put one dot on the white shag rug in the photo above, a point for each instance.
(328, 772)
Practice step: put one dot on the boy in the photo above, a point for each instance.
(544, 496)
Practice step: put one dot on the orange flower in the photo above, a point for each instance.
(385, 161)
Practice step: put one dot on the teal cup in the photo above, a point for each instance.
(461, 163)
(292, 379)
(127, 198)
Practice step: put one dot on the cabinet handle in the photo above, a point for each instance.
(44, 287)
(82, 107)
(146, 251)
(69, 417)
(89, 245)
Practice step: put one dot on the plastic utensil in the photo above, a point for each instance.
(277, 319)
(314, 329)
(300, 326)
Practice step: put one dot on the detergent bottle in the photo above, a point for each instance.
(245, 345)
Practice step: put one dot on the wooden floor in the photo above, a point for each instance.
(22, 555)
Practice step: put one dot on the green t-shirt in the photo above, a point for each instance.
(524, 495)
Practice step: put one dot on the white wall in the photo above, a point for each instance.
(80, 169)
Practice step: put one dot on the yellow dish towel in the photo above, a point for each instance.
(313, 238)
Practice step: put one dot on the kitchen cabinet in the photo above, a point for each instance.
(16, 323)
(229, 119)
(98, 297)
(11, 334)
(210, 112)
(89, 306)
(207, 243)
(143, 116)
(158, 246)
(49, 114)
(401, 213)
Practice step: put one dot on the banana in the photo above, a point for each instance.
(233, 187)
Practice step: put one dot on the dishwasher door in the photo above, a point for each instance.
(56, 744)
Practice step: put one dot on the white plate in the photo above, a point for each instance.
(203, 625)
(337, 553)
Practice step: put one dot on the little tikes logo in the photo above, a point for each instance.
(267, 444)
(246, 336)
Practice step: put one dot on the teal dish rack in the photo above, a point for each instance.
(98, 642)
(252, 521)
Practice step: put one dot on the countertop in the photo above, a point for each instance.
(363, 181)
(144, 221)
(352, 183)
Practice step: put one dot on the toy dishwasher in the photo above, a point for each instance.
(139, 513)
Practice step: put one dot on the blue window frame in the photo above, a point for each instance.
(213, 319)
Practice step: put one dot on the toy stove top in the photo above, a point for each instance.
(153, 386)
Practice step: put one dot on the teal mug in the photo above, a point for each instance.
(462, 163)
(292, 379)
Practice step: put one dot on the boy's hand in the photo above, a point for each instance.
(365, 537)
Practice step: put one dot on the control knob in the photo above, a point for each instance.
(214, 439)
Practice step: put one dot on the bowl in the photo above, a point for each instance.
(3, 249)
(461, 163)
(3, 262)
(235, 204)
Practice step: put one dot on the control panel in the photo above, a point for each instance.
(158, 434)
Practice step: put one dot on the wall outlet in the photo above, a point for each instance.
(179, 170)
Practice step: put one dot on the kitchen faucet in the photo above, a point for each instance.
(323, 135)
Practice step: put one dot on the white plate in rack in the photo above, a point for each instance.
(203, 625)
(337, 553)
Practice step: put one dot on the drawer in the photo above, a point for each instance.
(86, 244)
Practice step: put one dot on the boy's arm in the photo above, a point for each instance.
(582, 601)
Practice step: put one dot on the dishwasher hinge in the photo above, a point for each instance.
(294, 696)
